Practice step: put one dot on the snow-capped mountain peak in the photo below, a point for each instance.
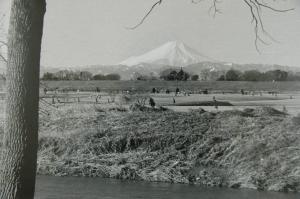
(172, 53)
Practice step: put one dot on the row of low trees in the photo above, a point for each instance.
(112, 76)
(255, 75)
(78, 75)
(221, 75)
(143, 77)
(168, 75)
(181, 75)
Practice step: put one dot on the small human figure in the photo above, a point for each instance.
(53, 99)
(242, 92)
(284, 109)
(215, 102)
(98, 90)
(174, 100)
(98, 97)
(151, 102)
(153, 90)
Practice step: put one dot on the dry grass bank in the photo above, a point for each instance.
(255, 148)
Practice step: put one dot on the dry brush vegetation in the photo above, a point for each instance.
(254, 148)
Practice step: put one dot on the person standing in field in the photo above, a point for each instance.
(215, 102)
(151, 102)
(177, 91)
(154, 90)
(242, 92)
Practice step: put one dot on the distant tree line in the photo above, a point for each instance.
(168, 75)
(143, 77)
(255, 75)
(174, 75)
(78, 75)
(180, 75)
(112, 76)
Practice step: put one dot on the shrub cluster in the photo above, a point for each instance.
(79, 75)
(255, 75)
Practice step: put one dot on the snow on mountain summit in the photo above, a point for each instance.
(172, 53)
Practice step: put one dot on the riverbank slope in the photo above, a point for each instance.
(254, 148)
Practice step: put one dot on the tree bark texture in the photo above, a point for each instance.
(19, 150)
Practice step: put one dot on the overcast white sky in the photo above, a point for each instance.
(91, 32)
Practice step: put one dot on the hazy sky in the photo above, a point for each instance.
(91, 32)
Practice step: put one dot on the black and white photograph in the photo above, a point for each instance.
(149, 99)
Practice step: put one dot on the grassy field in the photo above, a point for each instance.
(228, 92)
(289, 102)
(143, 86)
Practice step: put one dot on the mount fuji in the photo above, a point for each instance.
(172, 53)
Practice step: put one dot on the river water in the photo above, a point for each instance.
(94, 188)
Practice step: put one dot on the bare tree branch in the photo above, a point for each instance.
(271, 8)
(2, 43)
(214, 8)
(2, 58)
(255, 6)
(147, 14)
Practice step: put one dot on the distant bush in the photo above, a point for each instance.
(78, 75)
(233, 75)
(275, 75)
(172, 75)
(221, 78)
(252, 75)
(144, 77)
(255, 75)
(112, 76)
(68, 75)
(49, 76)
(99, 77)
(195, 77)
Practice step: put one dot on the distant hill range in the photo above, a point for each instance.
(170, 55)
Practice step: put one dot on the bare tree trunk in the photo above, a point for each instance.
(18, 167)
